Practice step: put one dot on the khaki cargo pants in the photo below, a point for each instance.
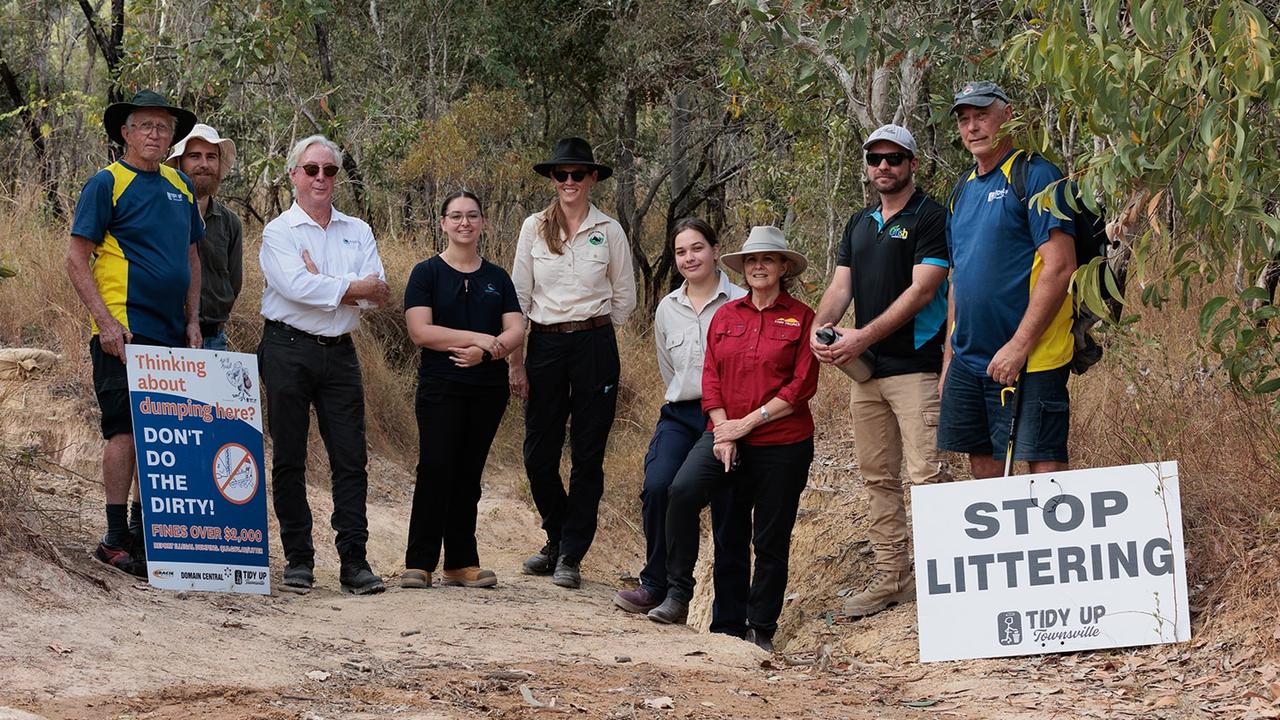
(895, 417)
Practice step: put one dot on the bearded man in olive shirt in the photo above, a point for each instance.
(206, 158)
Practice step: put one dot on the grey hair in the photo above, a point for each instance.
(301, 146)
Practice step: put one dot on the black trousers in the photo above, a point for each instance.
(573, 378)
(297, 373)
(770, 478)
(456, 425)
(680, 426)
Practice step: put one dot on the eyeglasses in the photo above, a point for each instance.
(577, 175)
(152, 128)
(457, 217)
(894, 159)
(312, 169)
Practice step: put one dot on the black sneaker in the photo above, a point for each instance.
(567, 574)
(670, 612)
(121, 559)
(358, 579)
(298, 578)
(543, 562)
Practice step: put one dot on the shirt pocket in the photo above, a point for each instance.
(592, 264)
(680, 349)
(548, 267)
(730, 341)
(779, 351)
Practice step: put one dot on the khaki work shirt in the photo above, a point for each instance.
(681, 336)
(592, 277)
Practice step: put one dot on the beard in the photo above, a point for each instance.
(896, 184)
(206, 185)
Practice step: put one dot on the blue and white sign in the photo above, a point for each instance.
(197, 431)
(1055, 562)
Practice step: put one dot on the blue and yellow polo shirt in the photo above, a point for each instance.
(993, 237)
(142, 223)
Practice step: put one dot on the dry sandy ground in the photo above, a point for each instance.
(85, 641)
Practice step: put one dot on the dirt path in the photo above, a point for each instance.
(88, 642)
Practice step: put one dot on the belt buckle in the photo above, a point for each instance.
(327, 341)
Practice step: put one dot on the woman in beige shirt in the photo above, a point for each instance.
(574, 281)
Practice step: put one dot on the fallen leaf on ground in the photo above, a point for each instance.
(527, 694)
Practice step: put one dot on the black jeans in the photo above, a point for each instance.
(680, 425)
(573, 377)
(770, 478)
(456, 426)
(298, 372)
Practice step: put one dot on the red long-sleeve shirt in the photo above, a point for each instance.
(756, 355)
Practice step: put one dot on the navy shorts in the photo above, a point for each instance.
(972, 420)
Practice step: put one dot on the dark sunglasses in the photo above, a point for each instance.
(577, 175)
(894, 158)
(311, 170)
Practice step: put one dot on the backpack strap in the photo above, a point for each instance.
(965, 177)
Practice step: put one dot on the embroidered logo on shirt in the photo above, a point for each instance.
(596, 239)
(789, 322)
(176, 197)
(897, 232)
(997, 195)
(489, 288)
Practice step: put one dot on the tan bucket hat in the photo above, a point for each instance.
(226, 156)
(765, 239)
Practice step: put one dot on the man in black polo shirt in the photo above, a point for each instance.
(893, 264)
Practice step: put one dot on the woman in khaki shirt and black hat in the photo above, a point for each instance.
(574, 280)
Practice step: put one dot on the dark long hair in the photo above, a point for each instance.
(698, 225)
(444, 206)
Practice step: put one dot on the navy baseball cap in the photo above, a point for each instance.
(979, 93)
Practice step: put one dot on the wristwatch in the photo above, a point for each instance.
(764, 413)
(485, 356)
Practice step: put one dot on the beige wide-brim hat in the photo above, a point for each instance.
(226, 154)
(765, 239)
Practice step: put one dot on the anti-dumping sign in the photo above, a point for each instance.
(1055, 562)
(197, 430)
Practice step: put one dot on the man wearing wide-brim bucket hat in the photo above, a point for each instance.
(206, 158)
(133, 259)
(758, 376)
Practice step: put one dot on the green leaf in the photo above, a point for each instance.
(1269, 386)
(1209, 310)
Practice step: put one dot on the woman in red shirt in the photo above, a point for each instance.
(757, 379)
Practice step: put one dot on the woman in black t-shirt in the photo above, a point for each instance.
(462, 311)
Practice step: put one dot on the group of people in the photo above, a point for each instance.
(951, 305)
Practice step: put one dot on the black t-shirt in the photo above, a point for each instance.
(881, 253)
(473, 301)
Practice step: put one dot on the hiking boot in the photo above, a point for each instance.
(759, 639)
(543, 562)
(567, 574)
(885, 589)
(415, 579)
(121, 559)
(639, 601)
(670, 612)
(298, 578)
(358, 579)
(472, 577)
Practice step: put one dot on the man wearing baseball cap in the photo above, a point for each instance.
(1010, 314)
(133, 260)
(892, 263)
(206, 158)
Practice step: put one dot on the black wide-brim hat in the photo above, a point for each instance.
(573, 151)
(116, 113)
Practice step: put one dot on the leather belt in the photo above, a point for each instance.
(571, 326)
(209, 330)
(323, 340)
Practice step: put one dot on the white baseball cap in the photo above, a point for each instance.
(895, 134)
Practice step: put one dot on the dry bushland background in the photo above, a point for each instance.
(1153, 397)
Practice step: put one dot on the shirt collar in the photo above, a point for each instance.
(783, 301)
(296, 216)
(913, 204)
(681, 294)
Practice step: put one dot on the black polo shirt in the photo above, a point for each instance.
(881, 254)
(473, 301)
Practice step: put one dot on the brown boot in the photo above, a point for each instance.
(885, 589)
(472, 577)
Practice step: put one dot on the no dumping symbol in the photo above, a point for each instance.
(235, 473)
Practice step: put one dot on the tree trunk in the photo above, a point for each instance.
(37, 137)
(349, 164)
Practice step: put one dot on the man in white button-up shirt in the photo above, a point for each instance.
(322, 268)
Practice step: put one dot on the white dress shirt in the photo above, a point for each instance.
(681, 337)
(592, 277)
(342, 252)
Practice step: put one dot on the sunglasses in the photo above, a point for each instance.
(894, 159)
(312, 170)
(577, 175)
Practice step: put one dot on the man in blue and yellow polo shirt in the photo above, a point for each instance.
(1010, 314)
(134, 261)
